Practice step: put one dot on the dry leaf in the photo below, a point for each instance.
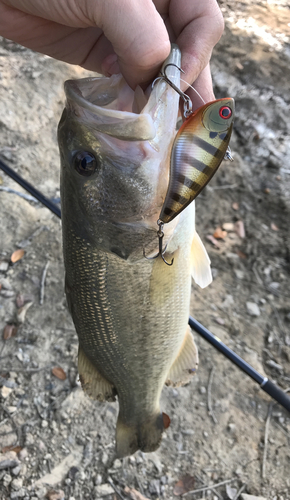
(228, 226)
(166, 420)
(220, 321)
(213, 240)
(242, 255)
(17, 255)
(235, 206)
(231, 492)
(219, 233)
(134, 494)
(9, 331)
(240, 228)
(20, 300)
(16, 449)
(58, 372)
(21, 313)
(274, 227)
(185, 484)
(55, 495)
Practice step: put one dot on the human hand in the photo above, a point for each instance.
(109, 36)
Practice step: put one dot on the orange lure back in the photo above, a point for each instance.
(198, 150)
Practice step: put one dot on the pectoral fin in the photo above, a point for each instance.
(200, 263)
(93, 383)
(186, 362)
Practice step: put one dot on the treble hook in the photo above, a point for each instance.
(161, 251)
(187, 108)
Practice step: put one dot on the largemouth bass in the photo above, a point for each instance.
(130, 313)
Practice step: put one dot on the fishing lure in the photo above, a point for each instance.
(199, 147)
(198, 150)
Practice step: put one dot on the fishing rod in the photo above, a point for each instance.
(266, 385)
(28, 187)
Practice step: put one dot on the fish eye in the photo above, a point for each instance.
(85, 163)
(225, 112)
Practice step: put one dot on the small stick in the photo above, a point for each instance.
(259, 280)
(28, 370)
(115, 488)
(226, 186)
(240, 491)
(27, 197)
(266, 440)
(214, 491)
(41, 297)
(280, 325)
(17, 430)
(209, 403)
(206, 488)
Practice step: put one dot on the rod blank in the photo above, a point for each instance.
(269, 387)
(28, 187)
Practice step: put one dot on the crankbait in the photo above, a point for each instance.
(199, 147)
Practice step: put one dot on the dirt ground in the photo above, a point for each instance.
(61, 441)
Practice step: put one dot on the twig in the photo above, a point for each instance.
(266, 440)
(225, 186)
(140, 485)
(28, 370)
(211, 487)
(4, 421)
(110, 481)
(17, 430)
(240, 491)
(280, 325)
(209, 402)
(259, 280)
(41, 297)
(203, 482)
(27, 197)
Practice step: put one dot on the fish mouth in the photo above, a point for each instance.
(110, 106)
(125, 125)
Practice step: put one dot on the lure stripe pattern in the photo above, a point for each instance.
(199, 147)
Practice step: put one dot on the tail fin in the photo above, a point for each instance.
(145, 437)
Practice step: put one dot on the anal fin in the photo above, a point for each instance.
(200, 263)
(186, 362)
(93, 383)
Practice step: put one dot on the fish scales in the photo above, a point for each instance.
(127, 331)
(130, 313)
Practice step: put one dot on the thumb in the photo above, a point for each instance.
(138, 36)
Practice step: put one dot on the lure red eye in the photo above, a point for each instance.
(225, 112)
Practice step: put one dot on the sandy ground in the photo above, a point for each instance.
(56, 443)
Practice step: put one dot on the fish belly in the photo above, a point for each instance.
(131, 320)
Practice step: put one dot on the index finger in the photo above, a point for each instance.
(198, 26)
